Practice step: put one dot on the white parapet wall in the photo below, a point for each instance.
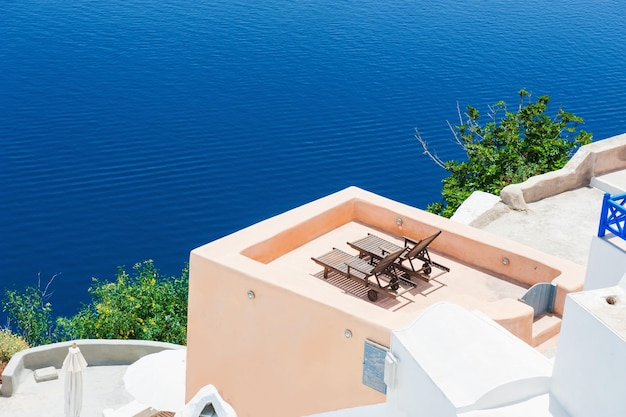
(607, 262)
(590, 367)
(95, 351)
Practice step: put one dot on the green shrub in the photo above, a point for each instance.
(510, 148)
(140, 305)
(31, 313)
(137, 305)
(10, 344)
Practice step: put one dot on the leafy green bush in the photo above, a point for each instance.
(510, 148)
(31, 313)
(10, 344)
(140, 305)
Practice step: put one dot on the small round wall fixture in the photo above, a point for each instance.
(611, 299)
(505, 261)
(251, 295)
(347, 333)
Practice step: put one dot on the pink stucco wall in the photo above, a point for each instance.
(284, 352)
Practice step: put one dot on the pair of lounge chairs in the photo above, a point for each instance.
(360, 270)
(380, 258)
(377, 248)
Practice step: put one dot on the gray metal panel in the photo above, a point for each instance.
(208, 411)
(374, 366)
(540, 297)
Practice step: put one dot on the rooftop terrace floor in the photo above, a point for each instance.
(464, 284)
(561, 225)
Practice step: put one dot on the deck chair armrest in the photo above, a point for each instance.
(409, 241)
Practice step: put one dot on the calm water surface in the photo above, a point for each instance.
(141, 129)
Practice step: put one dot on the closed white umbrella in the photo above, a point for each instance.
(74, 365)
(158, 380)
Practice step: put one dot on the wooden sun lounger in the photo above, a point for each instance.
(359, 270)
(377, 248)
(132, 409)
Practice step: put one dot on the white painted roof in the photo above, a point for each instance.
(473, 361)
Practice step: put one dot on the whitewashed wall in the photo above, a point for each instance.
(607, 262)
(589, 376)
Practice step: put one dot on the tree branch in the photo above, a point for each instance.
(433, 156)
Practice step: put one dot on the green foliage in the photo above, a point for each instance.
(140, 305)
(31, 312)
(10, 344)
(510, 148)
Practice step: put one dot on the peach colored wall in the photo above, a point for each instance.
(286, 241)
(514, 316)
(566, 284)
(284, 353)
(467, 247)
(279, 354)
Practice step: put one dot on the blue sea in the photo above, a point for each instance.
(141, 129)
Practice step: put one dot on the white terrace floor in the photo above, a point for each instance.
(562, 225)
(103, 388)
(464, 284)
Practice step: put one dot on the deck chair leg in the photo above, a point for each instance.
(378, 281)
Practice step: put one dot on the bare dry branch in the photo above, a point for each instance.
(458, 110)
(433, 156)
(453, 130)
(492, 113)
(44, 294)
(45, 291)
(456, 136)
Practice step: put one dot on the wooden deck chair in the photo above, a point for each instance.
(420, 251)
(375, 248)
(132, 409)
(359, 270)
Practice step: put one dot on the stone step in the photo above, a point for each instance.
(545, 327)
